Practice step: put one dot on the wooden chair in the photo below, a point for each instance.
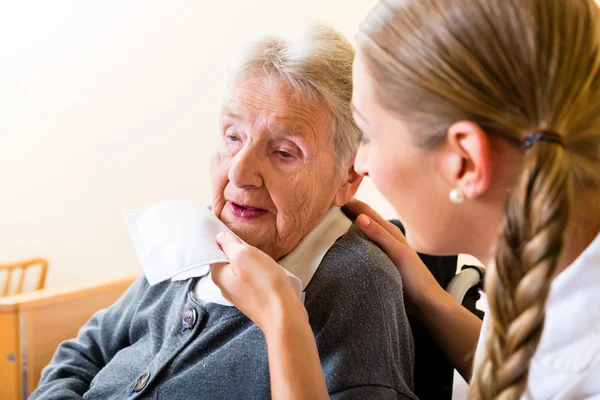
(33, 324)
(23, 267)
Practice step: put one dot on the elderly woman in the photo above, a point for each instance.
(282, 169)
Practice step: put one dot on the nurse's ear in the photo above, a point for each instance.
(466, 159)
(350, 182)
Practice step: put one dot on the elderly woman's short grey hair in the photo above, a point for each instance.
(317, 63)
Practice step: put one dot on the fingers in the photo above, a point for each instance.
(358, 207)
(230, 244)
(390, 244)
(365, 214)
(223, 276)
(223, 273)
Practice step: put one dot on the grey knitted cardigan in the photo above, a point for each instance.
(160, 343)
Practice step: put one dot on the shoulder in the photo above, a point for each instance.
(357, 264)
(355, 282)
(356, 310)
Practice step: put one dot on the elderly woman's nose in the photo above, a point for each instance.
(244, 169)
(360, 161)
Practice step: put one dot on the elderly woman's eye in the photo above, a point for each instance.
(233, 138)
(285, 154)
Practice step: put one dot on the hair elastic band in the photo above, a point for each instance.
(546, 136)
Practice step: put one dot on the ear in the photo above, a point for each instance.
(466, 161)
(349, 186)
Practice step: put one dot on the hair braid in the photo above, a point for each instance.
(526, 259)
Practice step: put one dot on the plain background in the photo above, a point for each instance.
(110, 106)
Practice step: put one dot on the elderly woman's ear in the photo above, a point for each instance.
(350, 182)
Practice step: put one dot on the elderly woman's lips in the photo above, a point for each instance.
(246, 212)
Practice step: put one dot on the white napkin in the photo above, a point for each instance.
(177, 240)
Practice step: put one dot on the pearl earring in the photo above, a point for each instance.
(457, 196)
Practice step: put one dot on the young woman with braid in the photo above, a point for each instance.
(482, 128)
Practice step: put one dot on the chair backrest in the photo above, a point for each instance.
(22, 267)
(434, 373)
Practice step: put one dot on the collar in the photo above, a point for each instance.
(305, 258)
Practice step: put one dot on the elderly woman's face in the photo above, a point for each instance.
(274, 173)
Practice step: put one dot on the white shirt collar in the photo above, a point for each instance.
(305, 258)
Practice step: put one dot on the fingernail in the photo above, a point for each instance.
(363, 221)
(220, 237)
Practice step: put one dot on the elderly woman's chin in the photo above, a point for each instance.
(253, 226)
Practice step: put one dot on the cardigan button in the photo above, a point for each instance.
(141, 382)
(190, 316)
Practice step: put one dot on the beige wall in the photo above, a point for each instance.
(109, 106)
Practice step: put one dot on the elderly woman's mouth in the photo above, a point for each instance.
(245, 212)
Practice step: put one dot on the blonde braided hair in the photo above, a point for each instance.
(526, 259)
